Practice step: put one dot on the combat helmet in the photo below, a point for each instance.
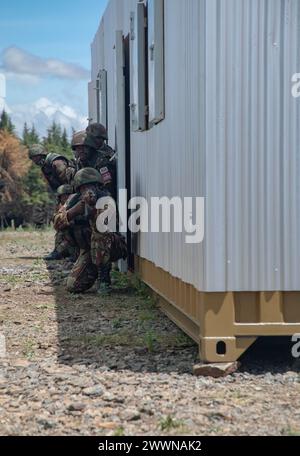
(36, 150)
(52, 157)
(97, 130)
(65, 190)
(87, 176)
(79, 139)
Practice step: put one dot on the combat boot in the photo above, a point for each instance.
(104, 281)
(104, 289)
(53, 256)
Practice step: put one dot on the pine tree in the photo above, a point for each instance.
(25, 135)
(35, 187)
(64, 140)
(33, 136)
(6, 123)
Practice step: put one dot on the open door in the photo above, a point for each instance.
(123, 127)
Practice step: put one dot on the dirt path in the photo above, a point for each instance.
(84, 365)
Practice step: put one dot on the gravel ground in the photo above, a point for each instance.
(85, 365)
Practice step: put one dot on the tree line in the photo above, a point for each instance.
(32, 187)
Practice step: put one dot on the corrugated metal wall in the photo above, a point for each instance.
(253, 145)
(231, 133)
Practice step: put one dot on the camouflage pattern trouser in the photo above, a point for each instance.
(95, 261)
(107, 248)
(83, 275)
(65, 244)
(100, 253)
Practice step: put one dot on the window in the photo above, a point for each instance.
(147, 65)
(156, 61)
(138, 68)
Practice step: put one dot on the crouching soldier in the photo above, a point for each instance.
(91, 151)
(72, 217)
(106, 247)
(65, 244)
(56, 169)
(100, 249)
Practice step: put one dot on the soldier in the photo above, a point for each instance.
(101, 248)
(57, 169)
(65, 244)
(91, 151)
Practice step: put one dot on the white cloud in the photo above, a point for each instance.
(24, 79)
(42, 113)
(16, 61)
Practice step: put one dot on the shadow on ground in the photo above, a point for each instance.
(128, 331)
(270, 354)
(125, 330)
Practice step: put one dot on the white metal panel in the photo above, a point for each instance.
(138, 68)
(156, 61)
(169, 159)
(253, 198)
(120, 109)
(120, 145)
(92, 102)
(102, 108)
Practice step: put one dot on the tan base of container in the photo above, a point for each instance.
(224, 325)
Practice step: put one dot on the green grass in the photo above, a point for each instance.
(150, 340)
(119, 432)
(121, 280)
(125, 338)
(28, 229)
(290, 432)
(117, 323)
(168, 423)
(28, 349)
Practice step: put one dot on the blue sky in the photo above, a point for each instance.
(38, 41)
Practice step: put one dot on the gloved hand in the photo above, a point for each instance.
(90, 198)
(78, 209)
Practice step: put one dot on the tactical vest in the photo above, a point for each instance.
(105, 162)
(80, 228)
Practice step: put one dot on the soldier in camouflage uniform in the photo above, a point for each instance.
(91, 150)
(65, 244)
(71, 216)
(103, 247)
(57, 169)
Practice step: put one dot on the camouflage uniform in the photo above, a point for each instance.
(57, 169)
(103, 160)
(106, 248)
(97, 250)
(65, 244)
(84, 273)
